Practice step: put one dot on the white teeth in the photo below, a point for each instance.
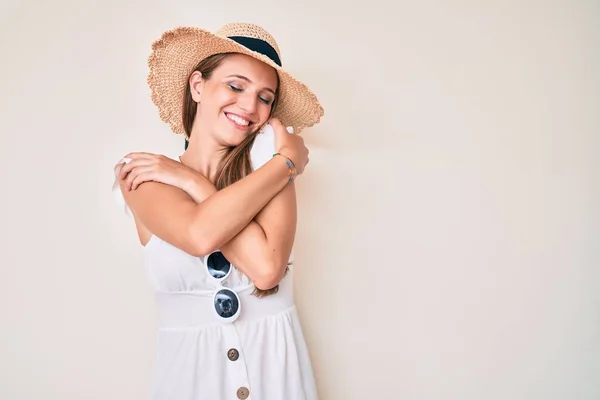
(238, 120)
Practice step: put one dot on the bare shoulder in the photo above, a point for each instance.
(161, 210)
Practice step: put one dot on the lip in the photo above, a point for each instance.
(240, 127)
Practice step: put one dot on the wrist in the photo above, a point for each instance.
(288, 153)
(292, 173)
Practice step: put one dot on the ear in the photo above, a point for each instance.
(196, 84)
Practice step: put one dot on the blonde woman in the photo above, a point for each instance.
(218, 226)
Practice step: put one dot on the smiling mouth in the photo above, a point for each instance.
(238, 121)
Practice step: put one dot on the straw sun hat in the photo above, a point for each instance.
(178, 51)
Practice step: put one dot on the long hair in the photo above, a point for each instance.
(236, 163)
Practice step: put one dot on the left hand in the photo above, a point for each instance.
(146, 167)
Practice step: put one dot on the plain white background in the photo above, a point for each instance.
(448, 237)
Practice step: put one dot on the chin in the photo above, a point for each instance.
(233, 137)
(232, 140)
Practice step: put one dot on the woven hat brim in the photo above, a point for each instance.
(179, 50)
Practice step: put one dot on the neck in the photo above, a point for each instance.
(203, 155)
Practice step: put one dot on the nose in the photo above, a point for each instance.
(247, 102)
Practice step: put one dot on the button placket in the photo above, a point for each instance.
(237, 369)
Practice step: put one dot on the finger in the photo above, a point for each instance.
(141, 178)
(277, 126)
(134, 174)
(275, 121)
(127, 168)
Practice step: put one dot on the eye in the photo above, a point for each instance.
(234, 88)
(266, 101)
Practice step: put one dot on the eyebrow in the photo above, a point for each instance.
(242, 77)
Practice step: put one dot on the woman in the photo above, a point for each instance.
(217, 235)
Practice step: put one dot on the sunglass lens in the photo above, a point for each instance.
(218, 265)
(226, 303)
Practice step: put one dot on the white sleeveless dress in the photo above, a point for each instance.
(261, 356)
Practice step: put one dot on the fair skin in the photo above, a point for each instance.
(253, 221)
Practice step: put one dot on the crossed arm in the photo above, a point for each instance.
(262, 247)
(252, 221)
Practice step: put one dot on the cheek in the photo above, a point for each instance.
(220, 98)
(263, 112)
(225, 97)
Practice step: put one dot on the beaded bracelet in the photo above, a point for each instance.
(290, 165)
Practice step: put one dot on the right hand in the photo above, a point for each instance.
(147, 167)
(290, 145)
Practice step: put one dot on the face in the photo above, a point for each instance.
(236, 100)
